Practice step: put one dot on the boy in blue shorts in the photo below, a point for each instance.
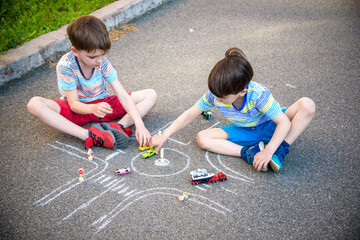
(82, 75)
(256, 117)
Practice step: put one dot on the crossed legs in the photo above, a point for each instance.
(48, 112)
(300, 115)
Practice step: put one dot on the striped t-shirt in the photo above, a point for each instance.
(259, 106)
(69, 77)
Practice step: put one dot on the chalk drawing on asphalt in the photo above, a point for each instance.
(129, 195)
(234, 174)
(106, 219)
(142, 166)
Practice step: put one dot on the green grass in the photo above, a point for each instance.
(23, 20)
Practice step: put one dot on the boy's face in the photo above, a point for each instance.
(231, 98)
(90, 59)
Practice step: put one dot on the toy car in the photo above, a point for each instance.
(122, 171)
(144, 148)
(183, 197)
(198, 172)
(148, 153)
(208, 178)
(207, 114)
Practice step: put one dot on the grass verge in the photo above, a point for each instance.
(23, 20)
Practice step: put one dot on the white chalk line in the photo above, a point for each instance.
(107, 185)
(129, 193)
(89, 202)
(185, 144)
(222, 164)
(105, 180)
(67, 189)
(242, 179)
(163, 188)
(111, 156)
(123, 190)
(229, 190)
(102, 176)
(167, 175)
(72, 147)
(117, 188)
(72, 154)
(108, 221)
(213, 125)
(171, 139)
(202, 189)
(162, 128)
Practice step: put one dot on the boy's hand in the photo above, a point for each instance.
(101, 109)
(262, 159)
(157, 141)
(143, 136)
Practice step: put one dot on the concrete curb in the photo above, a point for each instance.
(33, 54)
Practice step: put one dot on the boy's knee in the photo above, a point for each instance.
(201, 139)
(34, 104)
(308, 105)
(151, 94)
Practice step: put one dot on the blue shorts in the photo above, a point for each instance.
(249, 136)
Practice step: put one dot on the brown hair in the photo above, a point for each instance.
(89, 33)
(231, 74)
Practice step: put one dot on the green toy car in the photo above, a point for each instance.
(207, 114)
(148, 153)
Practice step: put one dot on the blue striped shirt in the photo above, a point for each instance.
(259, 106)
(69, 77)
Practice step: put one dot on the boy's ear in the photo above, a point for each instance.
(243, 92)
(75, 51)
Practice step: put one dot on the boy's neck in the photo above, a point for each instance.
(85, 70)
(238, 102)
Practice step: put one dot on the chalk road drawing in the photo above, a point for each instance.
(73, 183)
(112, 184)
(239, 176)
(161, 175)
(164, 162)
(124, 204)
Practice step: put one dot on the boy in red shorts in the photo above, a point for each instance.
(82, 75)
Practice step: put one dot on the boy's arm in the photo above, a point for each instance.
(99, 109)
(182, 121)
(262, 159)
(143, 136)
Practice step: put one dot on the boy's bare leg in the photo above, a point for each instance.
(48, 112)
(300, 114)
(214, 140)
(144, 101)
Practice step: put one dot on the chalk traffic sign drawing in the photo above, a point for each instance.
(175, 164)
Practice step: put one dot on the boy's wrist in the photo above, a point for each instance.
(269, 149)
(166, 134)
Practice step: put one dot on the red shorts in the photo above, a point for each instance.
(82, 119)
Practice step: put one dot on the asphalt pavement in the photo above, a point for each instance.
(297, 48)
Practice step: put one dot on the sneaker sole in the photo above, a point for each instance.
(121, 139)
(275, 166)
(98, 126)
